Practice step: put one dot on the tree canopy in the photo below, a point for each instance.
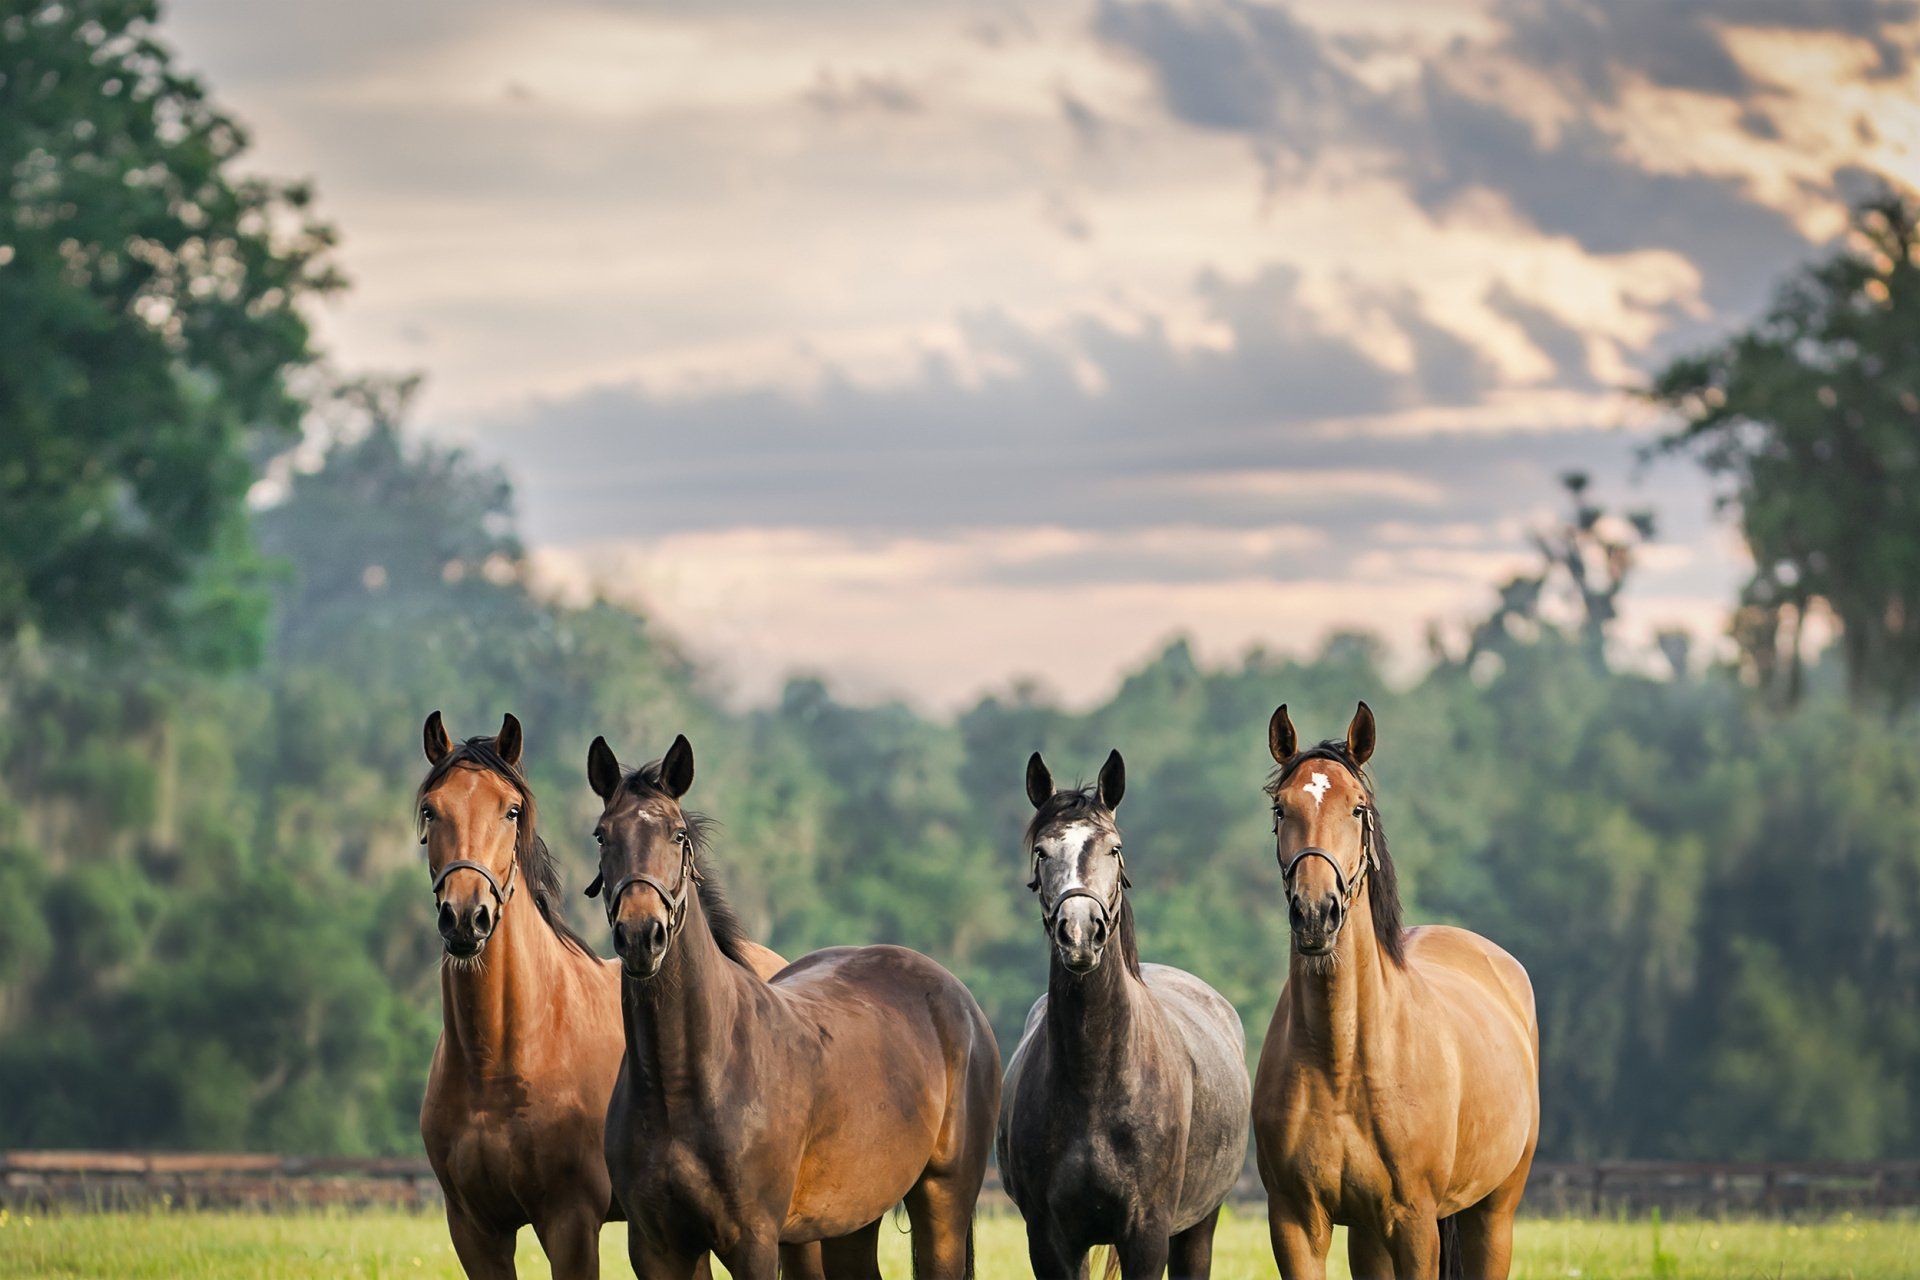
(1812, 415)
(151, 328)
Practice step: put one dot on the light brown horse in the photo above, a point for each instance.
(1399, 1089)
(751, 1115)
(517, 1098)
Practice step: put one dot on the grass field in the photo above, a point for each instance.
(188, 1246)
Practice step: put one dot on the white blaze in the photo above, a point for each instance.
(1318, 787)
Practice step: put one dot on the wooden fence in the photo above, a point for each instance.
(36, 1180)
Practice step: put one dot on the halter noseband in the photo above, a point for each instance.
(674, 898)
(1109, 907)
(1347, 889)
(500, 892)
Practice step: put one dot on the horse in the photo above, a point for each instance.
(751, 1115)
(1398, 1092)
(1124, 1120)
(530, 1041)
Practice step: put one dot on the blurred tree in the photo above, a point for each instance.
(1585, 557)
(150, 320)
(1813, 417)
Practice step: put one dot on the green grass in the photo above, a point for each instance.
(225, 1246)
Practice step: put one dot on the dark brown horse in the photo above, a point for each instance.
(1399, 1087)
(517, 1098)
(751, 1116)
(1125, 1121)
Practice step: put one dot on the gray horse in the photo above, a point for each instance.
(1124, 1116)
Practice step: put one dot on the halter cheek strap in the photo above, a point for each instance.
(500, 892)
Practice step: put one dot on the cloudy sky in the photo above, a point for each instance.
(929, 346)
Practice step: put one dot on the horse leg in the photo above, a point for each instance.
(1143, 1253)
(485, 1252)
(1414, 1242)
(650, 1262)
(572, 1241)
(1190, 1254)
(753, 1257)
(1300, 1240)
(1050, 1257)
(802, 1262)
(1367, 1255)
(854, 1256)
(940, 1212)
(1486, 1228)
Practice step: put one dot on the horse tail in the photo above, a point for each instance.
(1451, 1267)
(1112, 1268)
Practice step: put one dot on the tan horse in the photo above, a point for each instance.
(516, 1102)
(1399, 1089)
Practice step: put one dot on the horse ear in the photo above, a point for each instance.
(1360, 734)
(507, 742)
(676, 767)
(434, 738)
(1282, 741)
(1113, 781)
(1039, 780)
(603, 770)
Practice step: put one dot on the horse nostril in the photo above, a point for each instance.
(481, 919)
(1099, 931)
(446, 919)
(1295, 916)
(656, 933)
(1334, 912)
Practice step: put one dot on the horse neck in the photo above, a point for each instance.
(1093, 1018)
(1334, 1011)
(680, 1024)
(497, 1011)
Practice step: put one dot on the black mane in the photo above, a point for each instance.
(728, 933)
(1083, 804)
(1383, 887)
(538, 870)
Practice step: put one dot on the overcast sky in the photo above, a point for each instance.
(929, 346)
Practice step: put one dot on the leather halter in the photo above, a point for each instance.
(1347, 889)
(1109, 907)
(500, 892)
(674, 898)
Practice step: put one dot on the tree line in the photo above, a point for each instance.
(215, 929)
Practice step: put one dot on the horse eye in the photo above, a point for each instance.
(680, 837)
(1360, 811)
(599, 837)
(1039, 853)
(513, 814)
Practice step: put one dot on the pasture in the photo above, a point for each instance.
(378, 1246)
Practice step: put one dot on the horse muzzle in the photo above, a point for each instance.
(1316, 924)
(1080, 932)
(464, 930)
(641, 945)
